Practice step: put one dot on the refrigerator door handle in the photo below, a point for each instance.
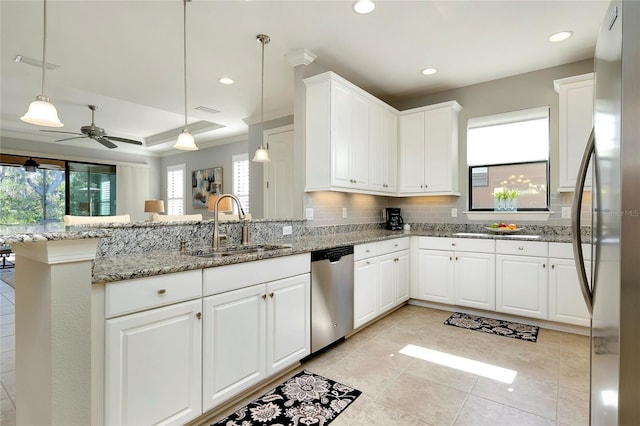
(575, 222)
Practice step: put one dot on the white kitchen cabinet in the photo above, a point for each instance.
(575, 114)
(351, 137)
(566, 303)
(251, 333)
(383, 149)
(153, 356)
(522, 278)
(381, 272)
(457, 271)
(429, 150)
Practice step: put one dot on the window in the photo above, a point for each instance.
(91, 189)
(241, 179)
(509, 153)
(175, 189)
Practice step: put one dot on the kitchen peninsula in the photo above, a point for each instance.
(61, 275)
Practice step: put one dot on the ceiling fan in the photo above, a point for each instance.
(96, 133)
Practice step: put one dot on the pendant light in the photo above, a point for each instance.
(262, 155)
(31, 165)
(185, 140)
(41, 111)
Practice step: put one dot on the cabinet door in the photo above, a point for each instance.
(402, 277)
(521, 285)
(387, 278)
(412, 153)
(341, 121)
(364, 291)
(359, 141)
(153, 366)
(475, 284)
(288, 321)
(383, 149)
(440, 163)
(575, 122)
(566, 303)
(435, 276)
(234, 343)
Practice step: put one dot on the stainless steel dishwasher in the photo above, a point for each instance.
(331, 295)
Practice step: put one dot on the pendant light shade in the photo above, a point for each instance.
(31, 165)
(262, 155)
(185, 141)
(41, 111)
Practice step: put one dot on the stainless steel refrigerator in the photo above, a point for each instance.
(612, 292)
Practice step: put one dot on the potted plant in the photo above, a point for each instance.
(512, 200)
(500, 200)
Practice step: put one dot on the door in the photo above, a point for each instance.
(278, 173)
(402, 281)
(234, 343)
(341, 122)
(412, 153)
(566, 303)
(359, 141)
(288, 321)
(439, 158)
(365, 278)
(383, 149)
(435, 276)
(153, 366)
(387, 278)
(521, 285)
(475, 280)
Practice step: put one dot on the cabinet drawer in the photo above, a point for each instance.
(474, 245)
(123, 297)
(232, 277)
(522, 248)
(565, 250)
(436, 243)
(396, 244)
(363, 251)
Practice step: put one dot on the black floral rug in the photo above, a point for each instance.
(305, 399)
(493, 326)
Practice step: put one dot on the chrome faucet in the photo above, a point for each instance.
(215, 240)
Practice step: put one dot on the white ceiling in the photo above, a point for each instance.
(126, 56)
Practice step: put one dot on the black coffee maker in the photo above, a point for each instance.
(393, 219)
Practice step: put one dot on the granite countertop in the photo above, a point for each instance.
(123, 267)
(55, 231)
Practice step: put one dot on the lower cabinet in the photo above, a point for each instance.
(474, 284)
(566, 302)
(381, 278)
(252, 333)
(521, 285)
(153, 366)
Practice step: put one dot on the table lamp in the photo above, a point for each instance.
(153, 206)
(224, 206)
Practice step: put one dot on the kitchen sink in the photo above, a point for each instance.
(239, 250)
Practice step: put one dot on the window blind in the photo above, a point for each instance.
(175, 189)
(241, 179)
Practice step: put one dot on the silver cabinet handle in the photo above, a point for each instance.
(271, 295)
(199, 315)
(264, 297)
(587, 293)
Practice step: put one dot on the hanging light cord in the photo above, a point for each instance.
(184, 51)
(263, 41)
(44, 46)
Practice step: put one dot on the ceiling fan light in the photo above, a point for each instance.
(261, 155)
(42, 113)
(185, 141)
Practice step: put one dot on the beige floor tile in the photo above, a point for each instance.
(363, 374)
(538, 362)
(482, 412)
(525, 393)
(384, 352)
(324, 361)
(430, 402)
(378, 415)
(573, 407)
(443, 375)
(350, 416)
(549, 337)
(574, 373)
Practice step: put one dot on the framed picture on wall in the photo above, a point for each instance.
(204, 183)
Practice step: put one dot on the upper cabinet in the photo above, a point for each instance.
(575, 122)
(429, 150)
(351, 138)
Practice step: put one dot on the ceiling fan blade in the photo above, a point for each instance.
(68, 139)
(60, 131)
(106, 142)
(124, 140)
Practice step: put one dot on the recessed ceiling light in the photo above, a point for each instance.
(364, 6)
(226, 80)
(429, 71)
(560, 36)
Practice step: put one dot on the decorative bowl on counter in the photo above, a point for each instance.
(503, 230)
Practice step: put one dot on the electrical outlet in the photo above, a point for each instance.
(566, 212)
(287, 230)
(308, 213)
(344, 212)
(454, 212)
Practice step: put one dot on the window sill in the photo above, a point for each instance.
(510, 216)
